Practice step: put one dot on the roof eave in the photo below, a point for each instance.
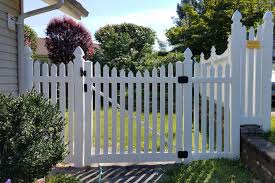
(72, 8)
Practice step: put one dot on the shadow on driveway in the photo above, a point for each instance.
(134, 173)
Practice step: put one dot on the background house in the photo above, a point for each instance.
(41, 52)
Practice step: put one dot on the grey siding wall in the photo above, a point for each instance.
(8, 48)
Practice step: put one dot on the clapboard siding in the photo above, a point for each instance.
(8, 41)
(8, 64)
(8, 48)
(7, 71)
(7, 33)
(8, 57)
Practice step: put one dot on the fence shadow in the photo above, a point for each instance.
(135, 173)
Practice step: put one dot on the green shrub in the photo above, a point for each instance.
(30, 137)
(62, 179)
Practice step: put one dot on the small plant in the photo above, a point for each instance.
(30, 137)
(62, 179)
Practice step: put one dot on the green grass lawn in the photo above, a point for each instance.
(208, 171)
(271, 134)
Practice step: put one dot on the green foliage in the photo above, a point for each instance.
(124, 46)
(270, 135)
(208, 171)
(160, 58)
(62, 179)
(203, 24)
(30, 37)
(30, 137)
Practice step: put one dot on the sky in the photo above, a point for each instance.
(156, 14)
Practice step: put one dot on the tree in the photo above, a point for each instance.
(64, 35)
(203, 24)
(124, 45)
(30, 37)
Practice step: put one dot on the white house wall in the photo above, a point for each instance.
(8, 48)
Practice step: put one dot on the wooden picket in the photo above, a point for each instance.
(158, 115)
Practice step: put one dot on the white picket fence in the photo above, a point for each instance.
(116, 117)
(255, 68)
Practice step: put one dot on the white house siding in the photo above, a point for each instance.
(8, 48)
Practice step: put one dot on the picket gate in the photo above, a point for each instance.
(183, 111)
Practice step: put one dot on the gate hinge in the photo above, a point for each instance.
(85, 88)
(183, 79)
(182, 154)
(82, 72)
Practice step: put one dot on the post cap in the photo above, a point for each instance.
(27, 51)
(79, 52)
(268, 16)
(236, 16)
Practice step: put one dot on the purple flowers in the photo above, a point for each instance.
(8, 181)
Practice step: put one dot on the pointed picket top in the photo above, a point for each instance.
(70, 68)
(236, 16)
(122, 73)
(131, 74)
(197, 69)
(28, 52)
(79, 52)
(97, 69)
(170, 69)
(138, 74)
(187, 55)
(162, 71)
(53, 70)
(154, 72)
(213, 51)
(259, 33)
(251, 33)
(37, 63)
(268, 16)
(201, 57)
(45, 69)
(146, 73)
(114, 72)
(105, 71)
(37, 68)
(62, 69)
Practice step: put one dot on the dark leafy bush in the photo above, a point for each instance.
(30, 137)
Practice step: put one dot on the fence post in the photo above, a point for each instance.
(79, 108)
(267, 69)
(235, 57)
(187, 105)
(28, 63)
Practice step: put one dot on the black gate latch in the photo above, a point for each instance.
(183, 79)
(182, 154)
(85, 88)
(82, 72)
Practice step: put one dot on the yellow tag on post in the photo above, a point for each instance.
(251, 44)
